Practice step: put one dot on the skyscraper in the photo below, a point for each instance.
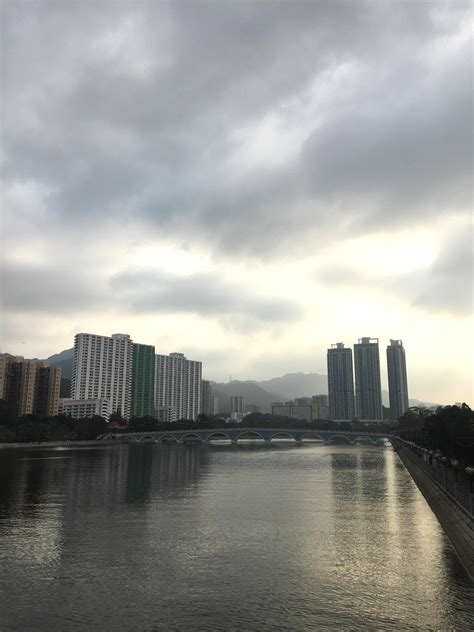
(397, 379)
(102, 369)
(206, 398)
(367, 379)
(143, 381)
(236, 404)
(3, 375)
(178, 386)
(340, 383)
(21, 383)
(31, 387)
(47, 386)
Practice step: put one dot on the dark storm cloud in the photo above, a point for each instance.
(126, 112)
(152, 291)
(413, 158)
(45, 289)
(32, 288)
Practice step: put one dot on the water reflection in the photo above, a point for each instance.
(389, 543)
(139, 474)
(199, 538)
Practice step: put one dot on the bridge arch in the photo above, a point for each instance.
(282, 435)
(218, 435)
(191, 436)
(168, 438)
(249, 434)
(130, 440)
(147, 439)
(312, 435)
(338, 437)
(363, 438)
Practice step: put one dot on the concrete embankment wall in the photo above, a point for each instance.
(459, 527)
(53, 444)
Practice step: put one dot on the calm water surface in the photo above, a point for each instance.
(211, 538)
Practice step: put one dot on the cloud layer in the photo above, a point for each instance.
(254, 139)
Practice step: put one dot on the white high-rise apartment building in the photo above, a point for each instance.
(397, 379)
(178, 385)
(102, 369)
(340, 383)
(367, 379)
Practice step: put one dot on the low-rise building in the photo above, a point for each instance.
(251, 408)
(237, 417)
(294, 409)
(81, 408)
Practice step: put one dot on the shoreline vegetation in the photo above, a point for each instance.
(54, 444)
(33, 430)
(449, 430)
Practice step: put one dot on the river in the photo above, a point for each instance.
(315, 537)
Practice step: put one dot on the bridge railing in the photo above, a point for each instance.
(308, 431)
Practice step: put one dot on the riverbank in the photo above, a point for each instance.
(53, 444)
(457, 524)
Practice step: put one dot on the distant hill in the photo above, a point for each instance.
(64, 361)
(294, 385)
(251, 392)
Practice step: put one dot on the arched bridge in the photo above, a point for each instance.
(236, 434)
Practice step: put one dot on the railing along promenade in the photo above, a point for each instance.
(446, 473)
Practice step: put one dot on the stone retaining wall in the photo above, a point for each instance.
(459, 527)
(53, 444)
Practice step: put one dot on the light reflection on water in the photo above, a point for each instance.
(222, 538)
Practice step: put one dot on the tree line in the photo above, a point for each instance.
(449, 429)
(32, 428)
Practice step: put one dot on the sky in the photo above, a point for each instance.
(243, 182)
